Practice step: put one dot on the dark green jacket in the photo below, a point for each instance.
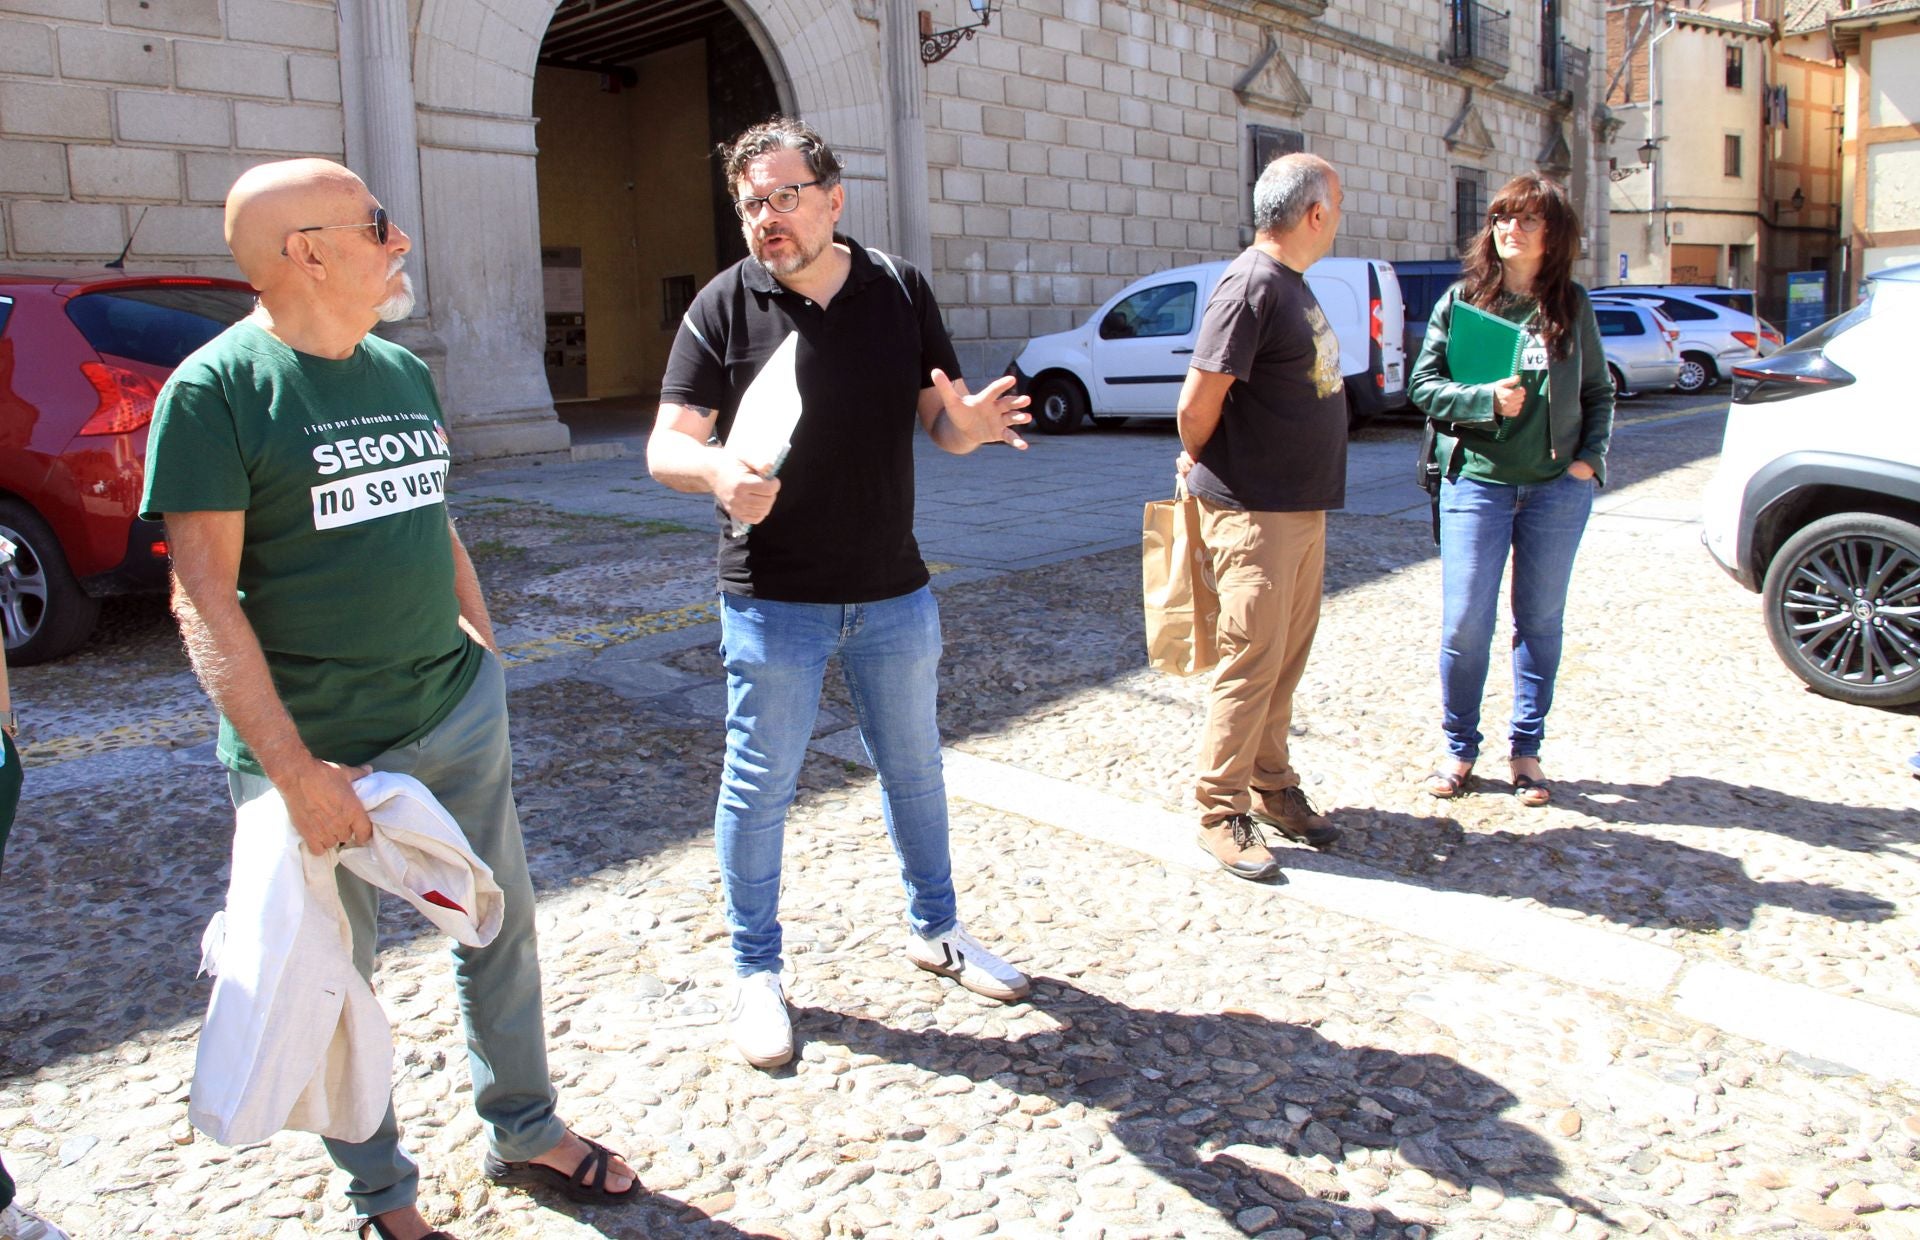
(1579, 394)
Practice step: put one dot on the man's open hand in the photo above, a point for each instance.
(988, 417)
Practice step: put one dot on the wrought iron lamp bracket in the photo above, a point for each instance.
(936, 44)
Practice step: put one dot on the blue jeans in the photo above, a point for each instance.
(1479, 522)
(467, 765)
(776, 656)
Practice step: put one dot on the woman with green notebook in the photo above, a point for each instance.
(1513, 378)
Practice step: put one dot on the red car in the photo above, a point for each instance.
(82, 358)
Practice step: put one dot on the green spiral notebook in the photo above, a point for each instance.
(1482, 347)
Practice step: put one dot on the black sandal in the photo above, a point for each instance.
(1532, 792)
(380, 1229)
(587, 1184)
(1443, 786)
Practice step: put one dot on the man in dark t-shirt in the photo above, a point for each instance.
(820, 560)
(1263, 421)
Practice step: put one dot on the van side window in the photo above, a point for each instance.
(1163, 310)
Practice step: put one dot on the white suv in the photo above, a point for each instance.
(1816, 503)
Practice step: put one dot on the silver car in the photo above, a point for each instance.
(1639, 341)
(1718, 327)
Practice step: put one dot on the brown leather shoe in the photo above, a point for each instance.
(1294, 817)
(1236, 844)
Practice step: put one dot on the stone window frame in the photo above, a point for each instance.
(1277, 142)
(1468, 208)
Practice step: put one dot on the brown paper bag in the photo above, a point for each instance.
(1182, 607)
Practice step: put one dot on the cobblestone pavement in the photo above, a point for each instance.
(1201, 1056)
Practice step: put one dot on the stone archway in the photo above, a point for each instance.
(473, 67)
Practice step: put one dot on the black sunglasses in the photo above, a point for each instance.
(379, 223)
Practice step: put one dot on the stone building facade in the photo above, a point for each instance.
(1066, 148)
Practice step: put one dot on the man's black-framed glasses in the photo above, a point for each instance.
(783, 200)
(382, 227)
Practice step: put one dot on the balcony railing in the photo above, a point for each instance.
(1561, 65)
(1479, 38)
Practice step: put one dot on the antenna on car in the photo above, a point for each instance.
(120, 264)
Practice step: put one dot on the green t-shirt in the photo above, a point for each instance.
(346, 572)
(1523, 452)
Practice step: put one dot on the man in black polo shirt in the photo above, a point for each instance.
(828, 564)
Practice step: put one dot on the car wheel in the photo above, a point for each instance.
(43, 611)
(1058, 406)
(1697, 373)
(1620, 389)
(1843, 608)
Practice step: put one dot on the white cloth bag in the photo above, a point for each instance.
(293, 1036)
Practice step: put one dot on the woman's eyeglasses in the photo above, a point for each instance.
(382, 228)
(1525, 223)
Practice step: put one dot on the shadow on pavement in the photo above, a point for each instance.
(1240, 1110)
(1701, 801)
(655, 1216)
(1625, 877)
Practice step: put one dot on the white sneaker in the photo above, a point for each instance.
(958, 955)
(19, 1224)
(759, 1022)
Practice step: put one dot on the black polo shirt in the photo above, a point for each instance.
(841, 529)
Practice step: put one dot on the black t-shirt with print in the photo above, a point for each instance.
(841, 529)
(1281, 445)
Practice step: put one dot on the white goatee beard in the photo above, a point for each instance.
(400, 304)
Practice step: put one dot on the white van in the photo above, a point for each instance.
(1129, 359)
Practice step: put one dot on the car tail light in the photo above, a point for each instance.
(126, 399)
(1785, 376)
(1771, 336)
(159, 550)
(1373, 321)
(1750, 339)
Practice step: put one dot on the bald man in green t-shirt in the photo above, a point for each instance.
(336, 621)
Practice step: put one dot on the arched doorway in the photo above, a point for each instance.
(474, 67)
(631, 97)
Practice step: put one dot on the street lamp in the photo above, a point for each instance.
(935, 44)
(1648, 150)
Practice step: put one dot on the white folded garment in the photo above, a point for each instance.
(293, 1037)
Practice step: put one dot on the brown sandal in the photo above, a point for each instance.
(1444, 786)
(1532, 792)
